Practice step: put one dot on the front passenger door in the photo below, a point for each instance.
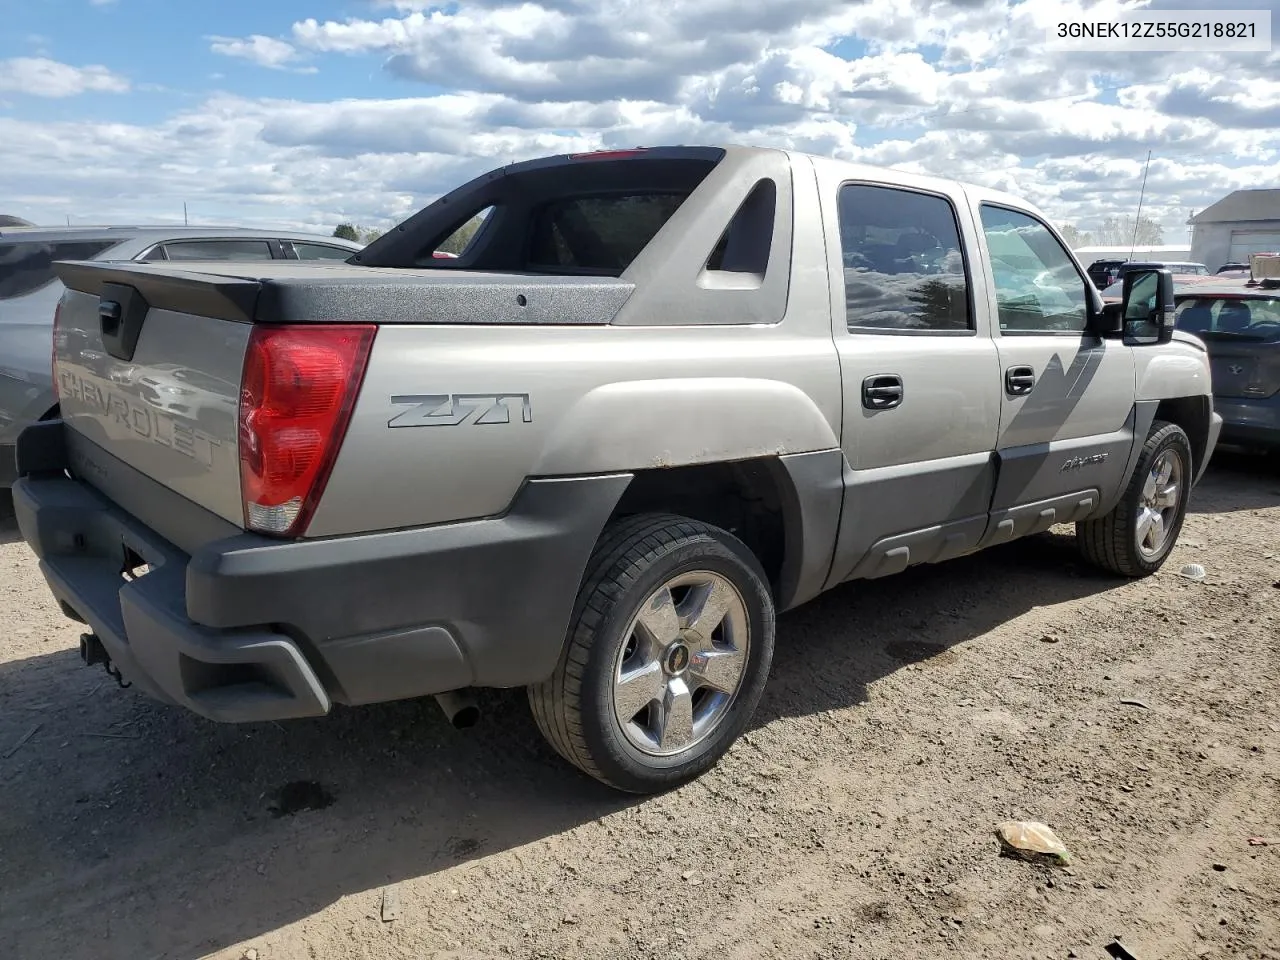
(1067, 411)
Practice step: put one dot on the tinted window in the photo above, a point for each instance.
(320, 251)
(26, 267)
(903, 266)
(746, 242)
(598, 234)
(1038, 288)
(218, 250)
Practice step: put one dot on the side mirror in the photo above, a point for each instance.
(1147, 307)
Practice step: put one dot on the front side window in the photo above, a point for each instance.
(904, 268)
(26, 267)
(1038, 288)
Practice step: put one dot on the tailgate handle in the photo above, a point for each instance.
(109, 314)
(121, 310)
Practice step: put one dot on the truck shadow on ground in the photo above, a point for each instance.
(156, 834)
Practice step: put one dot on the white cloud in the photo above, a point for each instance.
(264, 51)
(42, 77)
(962, 89)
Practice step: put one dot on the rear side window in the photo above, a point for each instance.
(218, 250)
(26, 267)
(598, 234)
(904, 267)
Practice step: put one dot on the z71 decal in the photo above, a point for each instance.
(452, 409)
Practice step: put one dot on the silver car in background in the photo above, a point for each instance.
(29, 293)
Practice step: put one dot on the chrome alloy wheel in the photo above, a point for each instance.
(1158, 506)
(681, 664)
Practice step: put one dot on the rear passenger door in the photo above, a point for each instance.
(919, 369)
(1067, 410)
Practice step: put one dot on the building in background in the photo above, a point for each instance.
(1167, 253)
(1241, 223)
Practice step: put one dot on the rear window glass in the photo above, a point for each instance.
(26, 267)
(218, 250)
(320, 251)
(598, 234)
(1231, 318)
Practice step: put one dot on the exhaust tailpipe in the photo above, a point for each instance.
(460, 707)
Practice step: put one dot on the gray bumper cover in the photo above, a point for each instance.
(249, 628)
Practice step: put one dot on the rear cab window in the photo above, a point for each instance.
(25, 267)
(581, 215)
(602, 234)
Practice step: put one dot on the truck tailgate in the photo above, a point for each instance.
(153, 387)
(149, 357)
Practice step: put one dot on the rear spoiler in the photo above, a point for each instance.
(164, 288)
(406, 297)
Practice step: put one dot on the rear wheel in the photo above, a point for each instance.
(1137, 536)
(666, 658)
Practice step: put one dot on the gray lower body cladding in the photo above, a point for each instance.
(248, 628)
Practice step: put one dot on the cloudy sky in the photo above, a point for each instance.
(304, 113)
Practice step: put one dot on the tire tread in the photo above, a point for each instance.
(624, 551)
(1105, 541)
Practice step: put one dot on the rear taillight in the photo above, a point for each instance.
(297, 392)
(53, 350)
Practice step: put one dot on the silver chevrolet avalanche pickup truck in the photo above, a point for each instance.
(661, 395)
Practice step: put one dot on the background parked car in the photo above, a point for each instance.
(1115, 292)
(1103, 273)
(29, 293)
(1240, 326)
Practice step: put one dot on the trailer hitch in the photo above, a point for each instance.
(93, 652)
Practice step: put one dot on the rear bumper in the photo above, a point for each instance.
(1254, 422)
(248, 628)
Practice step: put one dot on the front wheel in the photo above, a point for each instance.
(1137, 536)
(666, 657)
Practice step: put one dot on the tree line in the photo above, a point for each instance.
(1115, 232)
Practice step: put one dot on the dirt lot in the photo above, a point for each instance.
(904, 719)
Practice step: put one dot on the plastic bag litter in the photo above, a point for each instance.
(1031, 841)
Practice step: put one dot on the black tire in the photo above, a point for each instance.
(1111, 541)
(574, 707)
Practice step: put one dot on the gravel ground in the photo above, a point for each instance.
(904, 720)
